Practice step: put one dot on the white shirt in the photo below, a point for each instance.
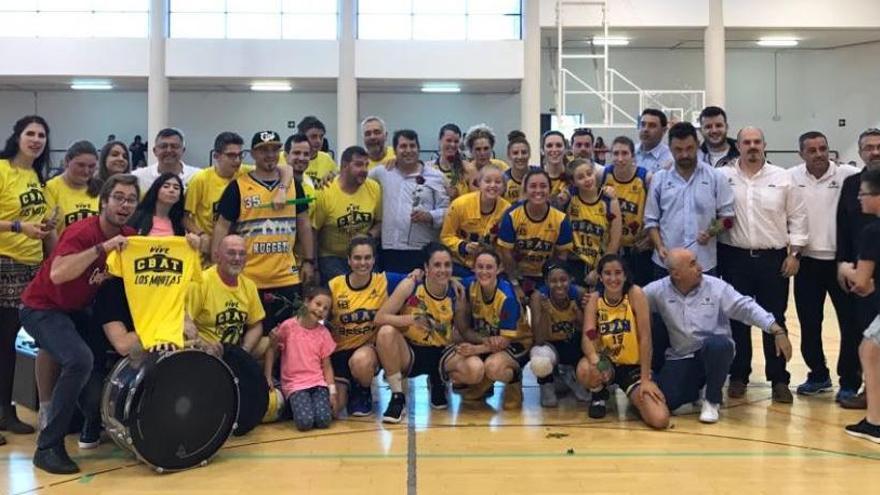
(770, 212)
(147, 175)
(401, 195)
(820, 198)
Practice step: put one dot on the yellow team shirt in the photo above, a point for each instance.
(557, 185)
(591, 228)
(203, 195)
(513, 189)
(439, 310)
(339, 216)
(21, 198)
(631, 196)
(388, 157)
(465, 223)
(618, 336)
(156, 272)
(534, 240)
(354, 310)
(223, 313)
(500, 315)
(269, 235)
(499, 163)
(319, 166)
(564, 324)
(73, 204)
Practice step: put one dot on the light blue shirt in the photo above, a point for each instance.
(681, 209)
(703, 312)
(658, 158)
(401, 195)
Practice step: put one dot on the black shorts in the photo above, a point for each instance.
(627, 377)
(279, 303)
(341, 370)
(516, 351)
(568, 352)
(429, 360)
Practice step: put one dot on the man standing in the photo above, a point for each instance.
(270, 234)
(66, 284)
(414, 202)
(652, 154)
(820, 181)
(717, 149)
(375, 137)
(168, 147)
(850, 222)
(350, 206)
(321, 164)
(582, 144)
(696, 309)
(761, 252)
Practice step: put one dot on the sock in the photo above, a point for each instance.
(395, 381)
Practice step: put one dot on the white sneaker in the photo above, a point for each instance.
(709, 414)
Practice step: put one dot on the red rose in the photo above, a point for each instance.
(494, 230)
(412, 301)
(611, 216)
(517, 256)
(591, 334)
(633, 227)
(420, 180)
(727, 222)
(502, 316)
(528, 285)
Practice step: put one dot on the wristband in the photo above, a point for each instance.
(332, 388)
(99, 250)
(16, 226)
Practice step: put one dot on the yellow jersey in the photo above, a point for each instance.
(203, 195)
(618, 331)
(564, 321)
(456, 180)
(534, 240)
(354, 310)
(388, 157)
(499, 163)
(21, 198)
(223, 313)
(438, 310)
(156, 272)
(631, 195)
(339, 216)
(500, 315)
(591, 226)
(465, 222)
(513, 189)
(319, 166)
(73, 204)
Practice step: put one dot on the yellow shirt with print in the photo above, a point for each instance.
(465, 222)
(590, 228)
(320, 166)
(631, 195)
(156, 272)
(439, 312)
(22, 198)
(388, 157)
(203, 195)
(618, 335)
(223, 313)
(354, 310)
(502, 314)
(564, 324)
(339, 216)
(73, 204)
(534, 241)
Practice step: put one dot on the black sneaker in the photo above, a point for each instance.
(90, 436)
(360, 403)
(55, 460)
(865, 430)
(438, 395)
(597, 409)
(396, 408)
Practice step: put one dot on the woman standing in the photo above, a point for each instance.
(519, 152)
(75, 191)
(450, 161)
(595, 221)
(114, 159)
(161, 211)
(25, 231)
(554, 162)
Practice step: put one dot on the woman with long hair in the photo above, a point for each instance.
(450, 162)
(160, 213)
(114, 159)
(595, 220)
(26, 230)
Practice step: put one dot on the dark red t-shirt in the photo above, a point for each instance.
(78, 293)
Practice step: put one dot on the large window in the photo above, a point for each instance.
(439, 19)
(254, 19)
(74, 18)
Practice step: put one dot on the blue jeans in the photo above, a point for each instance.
(681, 379)
(55, 332)
(331, 267)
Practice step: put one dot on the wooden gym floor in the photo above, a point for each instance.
(758, 447)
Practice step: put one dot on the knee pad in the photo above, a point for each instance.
(543, 360)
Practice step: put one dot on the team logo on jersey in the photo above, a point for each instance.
(32, 201)
(158, 269)
(83, 212)
(230, 323)
(354, 219)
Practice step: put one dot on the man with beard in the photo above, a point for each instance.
(65, 285)
(169, 148)
(761, 252)
(375, 136)
(350, 206)
(717, 149)
(652, 153)
(850, 222)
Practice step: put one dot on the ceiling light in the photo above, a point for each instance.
(271, 86)
(777, 42)
(441, 88)
(91, 85)
(610, 41)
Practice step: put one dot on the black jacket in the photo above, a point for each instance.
(850, 219)
(732, 153)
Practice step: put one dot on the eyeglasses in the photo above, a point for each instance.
(124, 199)
(233, 156)
(169, 146)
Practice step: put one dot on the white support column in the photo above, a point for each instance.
(157, 83)
(713, 51)
(530, 87)
(346, 85)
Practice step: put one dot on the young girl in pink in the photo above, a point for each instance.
(306, 373)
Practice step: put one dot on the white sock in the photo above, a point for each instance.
(395, 381)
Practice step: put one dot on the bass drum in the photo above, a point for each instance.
(252, 387)
(172, 410)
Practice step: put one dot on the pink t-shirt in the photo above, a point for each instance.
(302, 350)
(161, 227)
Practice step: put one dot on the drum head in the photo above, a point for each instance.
(252, 388)
(185, 411)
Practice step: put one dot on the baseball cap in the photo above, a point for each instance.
(264, 138)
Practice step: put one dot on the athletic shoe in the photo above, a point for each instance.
(480, 391)
(360, 403)
(850, 399)
(548, 395)
(55, 460)
(90, 436)
(709, 414)
(9, 421)
(568, 376)
(438, 395)
(513, 397)
(865, 430)
(814, 388)
(396, 408)
(736, 389)
(597, 409)
(781, 394)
